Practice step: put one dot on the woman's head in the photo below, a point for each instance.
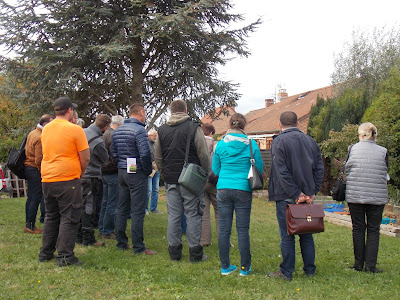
(367, 131)
(237, 121)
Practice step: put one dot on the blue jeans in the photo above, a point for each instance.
(230, 200)
(152, 190)
(132, 198)
(35, 195)
(109, 203)
(288, 244)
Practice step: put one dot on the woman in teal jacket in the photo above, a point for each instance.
(231, 163)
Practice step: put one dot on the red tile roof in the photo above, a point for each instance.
(266, 120)
(221, 123)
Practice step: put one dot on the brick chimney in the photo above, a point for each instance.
(282, 95)
(269, 102)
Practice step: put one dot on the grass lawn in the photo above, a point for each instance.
(112, 274)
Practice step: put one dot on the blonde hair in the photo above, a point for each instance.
(368, 131)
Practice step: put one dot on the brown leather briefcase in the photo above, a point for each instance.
(304, 218)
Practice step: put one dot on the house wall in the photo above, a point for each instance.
(303, 124)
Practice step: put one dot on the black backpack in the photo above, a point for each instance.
(16, 159)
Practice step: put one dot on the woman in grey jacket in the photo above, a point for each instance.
(366, 195)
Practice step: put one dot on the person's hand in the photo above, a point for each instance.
(302, 198)
(310, 199)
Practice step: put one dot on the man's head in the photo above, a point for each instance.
(102, 121)
(116, 121)
(208, 129)
(45, 119)
(137, 111)
(288, 119)
(178, 106)
(152, 135)
(64, 106)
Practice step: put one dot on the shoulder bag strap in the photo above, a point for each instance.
(346, 159)
(188, 141)
(252, 161)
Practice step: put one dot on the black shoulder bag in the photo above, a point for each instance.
(339, 189)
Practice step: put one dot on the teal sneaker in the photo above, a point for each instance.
(245, 273)
(228, 270)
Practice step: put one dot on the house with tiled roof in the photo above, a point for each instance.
(263, 123)
(221, 120)
(265, 120)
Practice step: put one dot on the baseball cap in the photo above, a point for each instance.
(63, 103)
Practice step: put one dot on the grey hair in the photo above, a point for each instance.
(117, 120)
(151, 131)
(80, 122)
(368, 131)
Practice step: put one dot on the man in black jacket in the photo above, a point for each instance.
(109, 173)
(91, 180)
(296, 176)
(169, 153)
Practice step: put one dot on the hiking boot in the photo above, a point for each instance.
(229, 270)
(46, 258)
(245, 273)
(357, 268)
(62, 262)
(373, 270)
(279, 274)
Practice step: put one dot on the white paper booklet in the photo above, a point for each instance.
(131, 165)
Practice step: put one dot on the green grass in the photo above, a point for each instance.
(112, 274)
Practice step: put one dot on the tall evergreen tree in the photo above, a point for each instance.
(384, 113)
(107, 55)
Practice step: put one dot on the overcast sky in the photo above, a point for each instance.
(296, 43)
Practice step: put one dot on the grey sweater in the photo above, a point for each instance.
(366, 171)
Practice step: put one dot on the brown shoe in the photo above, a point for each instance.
(127, 247)
(110, 236)
(96, 244)
(27, 230)
(35, 231)
(147, 252)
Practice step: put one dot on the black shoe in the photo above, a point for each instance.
(62, 262)
(279, 274)
(203, 258)
(46, 258)
(373, 270)
(357, 268)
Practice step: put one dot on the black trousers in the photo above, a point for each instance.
(90, 187)
(366, 251)
(63, 202)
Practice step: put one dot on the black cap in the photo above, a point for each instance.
(63, 103)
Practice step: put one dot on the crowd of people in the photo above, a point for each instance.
(101, 176)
